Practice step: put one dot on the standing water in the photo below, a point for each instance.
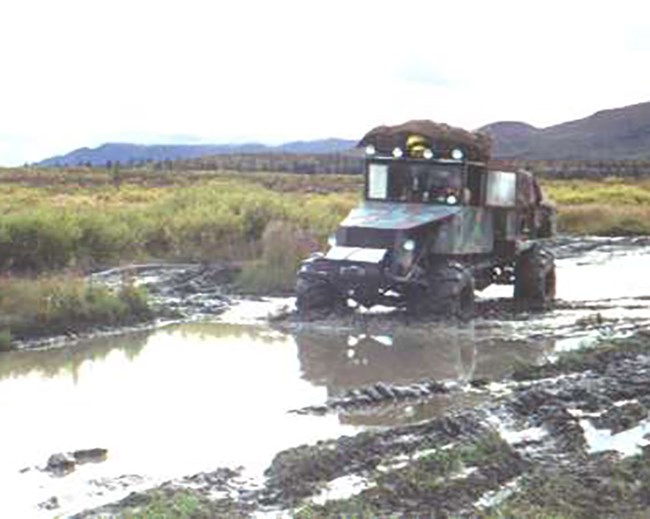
(165, 404)
(195, 397)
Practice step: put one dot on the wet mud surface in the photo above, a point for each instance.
(516, 413)
(531, 447)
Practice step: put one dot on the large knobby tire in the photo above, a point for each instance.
(535, 277)
(316, 296)
(448, 290)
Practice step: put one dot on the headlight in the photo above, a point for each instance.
(370, 150)
(408, 245)
(427, 154)
(398, 153)
(457, 154)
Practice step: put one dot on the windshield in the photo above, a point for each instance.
(415, 182)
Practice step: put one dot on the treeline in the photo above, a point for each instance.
(352, 163)
(578, 169)
(311, 164)
(341, 164)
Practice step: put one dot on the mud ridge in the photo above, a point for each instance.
(377, 394)
(531, 446)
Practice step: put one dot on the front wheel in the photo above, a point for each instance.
(316, 296)
(448, 290)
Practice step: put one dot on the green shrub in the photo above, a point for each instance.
(284, 246)
(59, 304)
(103, 238)
(37, 241)
(5, 339)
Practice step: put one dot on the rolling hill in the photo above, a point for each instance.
(621, 133)
(617, 134)
(126, 153)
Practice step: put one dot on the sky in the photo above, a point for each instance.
(77, 73)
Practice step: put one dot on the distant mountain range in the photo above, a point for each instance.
(126, 153)
(622, 133)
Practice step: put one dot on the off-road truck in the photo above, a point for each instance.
(435, 224)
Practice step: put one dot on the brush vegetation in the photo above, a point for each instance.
(64, 304)
(49, 228)
(54, 220)
(611, 207)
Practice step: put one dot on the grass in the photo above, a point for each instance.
(611, 207)
(5, 339)
(170, 505)
(428, 483)
(221, 219)
(50, 305)
(284, 245)
(615, 489)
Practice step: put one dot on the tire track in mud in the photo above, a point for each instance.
(530, 446)
(535, 434)
(549, 438)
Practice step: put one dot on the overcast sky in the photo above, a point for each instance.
(79, 73)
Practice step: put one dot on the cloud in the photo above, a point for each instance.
(77, 73)
(423, 73)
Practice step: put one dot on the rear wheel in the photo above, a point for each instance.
(447, 290)
(316, 296)
(535, 277)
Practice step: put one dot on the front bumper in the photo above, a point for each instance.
(361, 281)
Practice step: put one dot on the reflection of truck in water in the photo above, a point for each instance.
(435, 224)
(342, 361)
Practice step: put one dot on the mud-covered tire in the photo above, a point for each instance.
(448, 290)
(535, 277)
(316, 296)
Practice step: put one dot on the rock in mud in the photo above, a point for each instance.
(50, 504)
(95, 455)
(61, 463)
(621, 418)
(65, 462)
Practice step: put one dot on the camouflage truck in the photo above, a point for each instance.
(435, 224)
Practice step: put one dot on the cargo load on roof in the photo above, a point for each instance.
(440, 138)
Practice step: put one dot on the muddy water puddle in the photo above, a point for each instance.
(171, 403)
(194, 397)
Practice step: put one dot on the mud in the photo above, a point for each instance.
(182, 291)
(498, 417)
(62, 463)
(530, 441)
(379, 393)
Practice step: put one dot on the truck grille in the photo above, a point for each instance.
(363, 237)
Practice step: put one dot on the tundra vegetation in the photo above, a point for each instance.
(57, 225)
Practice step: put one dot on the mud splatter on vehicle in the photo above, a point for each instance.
(434, 225)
